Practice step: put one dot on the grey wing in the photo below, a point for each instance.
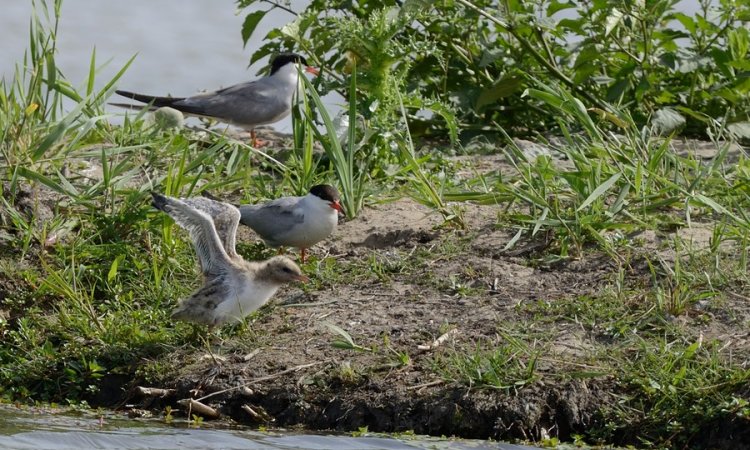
(273, 220)
(212, 257)
(255, 102)
(225, 217)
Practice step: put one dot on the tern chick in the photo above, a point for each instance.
(232, 287)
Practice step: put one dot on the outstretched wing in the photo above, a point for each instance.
(225, 217)
(212, 257)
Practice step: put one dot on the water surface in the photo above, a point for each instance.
(25, 428)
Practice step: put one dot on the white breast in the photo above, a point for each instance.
(248, 296)
(319, 222)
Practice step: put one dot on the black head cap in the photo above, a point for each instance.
(283, 59)
(325, 192)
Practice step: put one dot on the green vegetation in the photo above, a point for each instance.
(89, 272)
(477, 58)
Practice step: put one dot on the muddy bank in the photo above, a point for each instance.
(407, 283)
(409, 325)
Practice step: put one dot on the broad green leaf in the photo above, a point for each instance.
(556, 6)
(613, 19)
(503, 88)
(690, 351)
(251, 22)
(686, 22)
(345, 341)
(113, 268)
(291, 30)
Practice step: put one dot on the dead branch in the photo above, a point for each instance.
(196, 407)
(154, 392)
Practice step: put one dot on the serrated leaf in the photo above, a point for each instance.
(248, 26)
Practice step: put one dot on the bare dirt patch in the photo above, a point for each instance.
(468, 286)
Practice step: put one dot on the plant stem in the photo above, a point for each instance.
(538, 56)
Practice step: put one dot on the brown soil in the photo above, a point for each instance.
(297, 378)
(285, 369)
(408, 310)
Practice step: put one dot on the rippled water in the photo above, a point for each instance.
(42, 429)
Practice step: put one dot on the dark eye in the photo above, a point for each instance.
(287, 270)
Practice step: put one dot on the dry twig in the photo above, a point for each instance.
(439, 341)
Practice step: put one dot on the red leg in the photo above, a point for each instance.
(255, 142)
(302, 254)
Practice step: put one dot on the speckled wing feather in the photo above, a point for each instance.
(200, 307)
(212, 257)
(225, 216)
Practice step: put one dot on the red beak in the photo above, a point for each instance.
(337, 206)
(303, 279)
(313, 70)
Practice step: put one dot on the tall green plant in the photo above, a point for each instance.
(31, 134)
(344, 152)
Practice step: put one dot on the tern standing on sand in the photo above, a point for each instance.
(246, 105)
(232, 287)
